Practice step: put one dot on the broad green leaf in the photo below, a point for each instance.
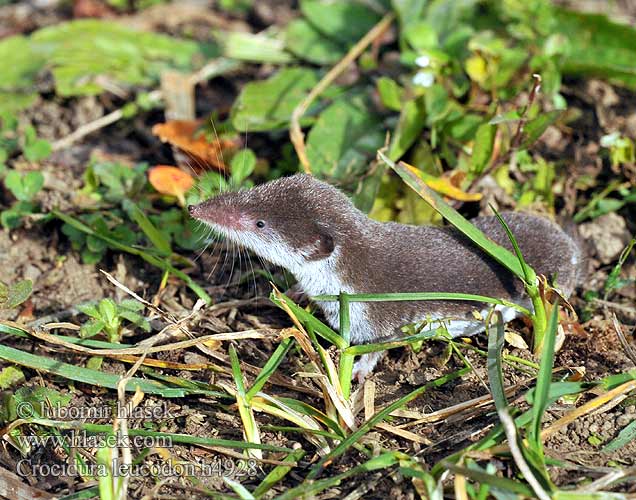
(390, 92)
(20, 66)
(483, 147)
(410, 125)
(344, 139)
(268, 104)
(408, 11)
(92, 328)
(597, 47)
(345, 22)
(242, 165)
(83, 53)
(306, 42)
(18, 293)
(24, 185)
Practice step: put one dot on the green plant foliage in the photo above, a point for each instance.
(24, 185)
(268, 104)
(21, 64)
(12, 296)
(309, 44)
(107, 50)
(343, 140)
(107, 316)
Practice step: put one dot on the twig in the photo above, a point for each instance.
(295, 133)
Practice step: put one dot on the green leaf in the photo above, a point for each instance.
(534, 128)
(18, 293)
(35, 149)
(307, 43)
(482, 150)
(411, 123)
(242, 166)
(10, 376)
(89, 310)
(86, 376)
(92, 328)
(24, 185)
(20, 66)
(343, 140)
(108, 52)
(268, 104)
(345, 22)
(544, 379)
(156, 237)
(390, 92)
(408, 11)
(495, 371)
(597, 47)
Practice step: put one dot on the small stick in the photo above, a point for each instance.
(295, 133)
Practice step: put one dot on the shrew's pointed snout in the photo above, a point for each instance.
(192, 209)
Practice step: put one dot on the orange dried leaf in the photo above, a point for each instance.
(183, 134)
(170, 180)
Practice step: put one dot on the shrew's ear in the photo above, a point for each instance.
(322, 246)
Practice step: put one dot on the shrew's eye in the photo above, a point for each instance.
(260, 224)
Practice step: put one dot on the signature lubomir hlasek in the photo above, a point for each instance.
(312, 229)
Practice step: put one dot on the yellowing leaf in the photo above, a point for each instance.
(477, 69)
(171, 181)
(445, 185)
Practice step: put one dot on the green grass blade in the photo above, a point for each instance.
(308, 319)
(245, 410)
(270, 367)
(380, 416)
(92, 377)
(529, 274)
(242, 492)
(625, 436)
(413, 296)
(414, 181)
(156, 237)
(310, 488)
(495, 370)
(278, 473)
(175, 438)
(544, 379)
(494, 481)
(392, 344)
(346, 360)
